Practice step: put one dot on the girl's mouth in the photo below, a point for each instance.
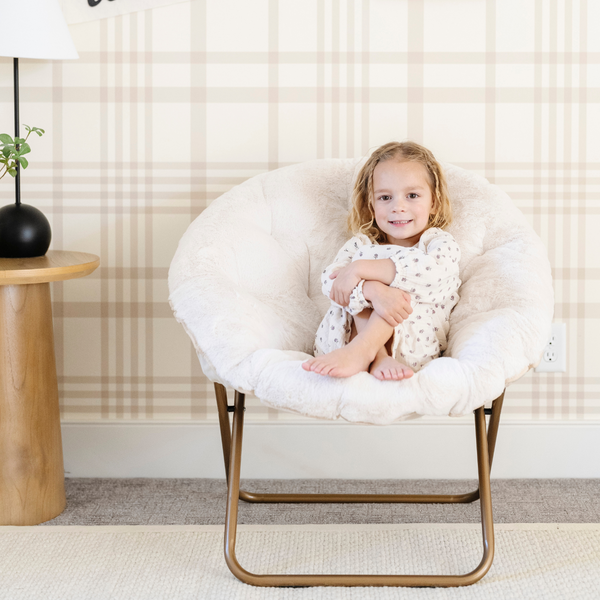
(400, 223)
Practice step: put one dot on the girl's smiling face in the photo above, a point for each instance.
(402, 200)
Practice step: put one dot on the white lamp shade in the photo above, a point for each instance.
(34, 29)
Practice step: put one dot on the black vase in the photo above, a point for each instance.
(24, 231)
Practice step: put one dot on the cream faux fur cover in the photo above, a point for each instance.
(245, 284)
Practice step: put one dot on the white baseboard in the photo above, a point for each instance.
(424, 448)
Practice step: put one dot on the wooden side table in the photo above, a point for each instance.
(32, 481)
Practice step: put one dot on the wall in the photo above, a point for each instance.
(168, 108)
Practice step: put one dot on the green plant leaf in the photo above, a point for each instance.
(10, 156)
(37, 130)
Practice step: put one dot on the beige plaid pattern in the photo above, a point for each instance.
(168, 108)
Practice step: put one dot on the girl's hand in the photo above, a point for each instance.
(346, 280)
(391, 304)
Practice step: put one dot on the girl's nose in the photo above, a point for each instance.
(399, 205)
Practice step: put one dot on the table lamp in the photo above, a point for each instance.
(30, 29)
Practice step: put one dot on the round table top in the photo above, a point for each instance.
(55, 265)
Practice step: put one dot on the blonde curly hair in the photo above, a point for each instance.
(362, 215)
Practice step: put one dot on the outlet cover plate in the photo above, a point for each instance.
(558, 345)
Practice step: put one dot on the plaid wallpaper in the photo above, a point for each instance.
(168, 108)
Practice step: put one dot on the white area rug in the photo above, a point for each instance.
(183, 562)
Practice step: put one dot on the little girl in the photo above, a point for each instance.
(394, 284)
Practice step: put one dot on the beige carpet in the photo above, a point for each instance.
(140, 501)
(183, 562)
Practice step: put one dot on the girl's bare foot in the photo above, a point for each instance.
(344, 362)
(385, 367)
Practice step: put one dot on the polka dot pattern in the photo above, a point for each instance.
(429, 271)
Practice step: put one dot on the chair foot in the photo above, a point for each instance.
(296, 580)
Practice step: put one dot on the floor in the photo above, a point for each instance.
(202, 502)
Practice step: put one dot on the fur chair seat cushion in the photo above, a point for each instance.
(245, 284)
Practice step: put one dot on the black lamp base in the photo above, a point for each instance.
(24, 232)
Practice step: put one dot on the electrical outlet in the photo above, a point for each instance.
(554, 359)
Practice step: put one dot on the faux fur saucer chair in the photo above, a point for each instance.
(245, 284)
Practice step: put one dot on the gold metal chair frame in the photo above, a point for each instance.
(232, 454)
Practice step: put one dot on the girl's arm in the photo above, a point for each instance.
(342, 260)
(431, 271)
(346, 287)
(391, 304)
(427, 271)
(382, 270)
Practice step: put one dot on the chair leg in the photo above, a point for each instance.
(222, 407)
(233, 496)
(465, 498)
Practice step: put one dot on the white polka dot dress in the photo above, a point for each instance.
(429, 271)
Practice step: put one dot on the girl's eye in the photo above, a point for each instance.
(384, 197)
(412, 196)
